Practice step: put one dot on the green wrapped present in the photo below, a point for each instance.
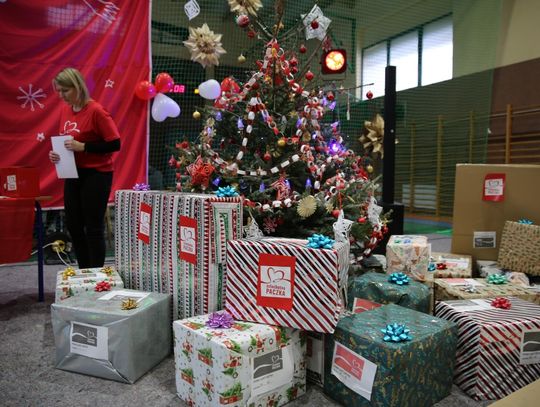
(365, 367)
(377, 287)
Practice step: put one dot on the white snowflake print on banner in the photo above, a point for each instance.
(107, 10)
(31, 97)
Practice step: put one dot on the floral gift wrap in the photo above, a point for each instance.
(408, 254)
(390, 356)
(118, 335)
(70, 282)
(449, 265)
(381, 289)
(498, 349)
(220, 361)
(471, 288)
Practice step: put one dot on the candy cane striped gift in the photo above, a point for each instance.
(498, 350)
(283, 282)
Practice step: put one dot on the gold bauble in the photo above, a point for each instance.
(241, 59)
(196, 115)
(282, 142)
(196, 91)
(369, 168)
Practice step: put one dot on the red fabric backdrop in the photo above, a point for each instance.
(108, 41)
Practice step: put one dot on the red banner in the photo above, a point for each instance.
(108, 41)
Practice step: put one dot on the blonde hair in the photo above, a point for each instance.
(72, 78)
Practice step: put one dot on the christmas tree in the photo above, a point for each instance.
(268, 138)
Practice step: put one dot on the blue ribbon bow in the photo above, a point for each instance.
(226, 192)
(396, 333)
(399, 278)
(432, 267)
(525, 221)
(317, 241)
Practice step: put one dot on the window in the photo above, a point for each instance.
(421, 56)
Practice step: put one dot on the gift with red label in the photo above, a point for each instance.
(390, 356)
(382, 289)
(499, 344)
(175, 243)
(19, 182)
(220, 361)
(284, 282)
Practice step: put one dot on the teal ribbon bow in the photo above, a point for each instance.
(396, 333)
(317, 241)
(496, 279)
(226, 192)
(399, 278)
(525, 221)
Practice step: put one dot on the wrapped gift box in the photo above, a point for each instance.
(449, 265)
(244, 365)
(408, 254)
(520, 248)
(376, 287)
(498, 351)
(176, 243)
(361, 369)
(472, 288)
(286, 283)
(93, 335)
(85, 280)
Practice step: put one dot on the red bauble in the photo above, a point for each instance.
(369, 94)
(294, 70)
(293, 61)
(309, 75)
(302, 49)
(335, 213)
(164, 82)
(242, 20)
(267, 157)
(314, 24)
(362, 219)
(251, 34)
(255, 86)
(330, 96)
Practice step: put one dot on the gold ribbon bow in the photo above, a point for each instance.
(128, 304)
(373, 140)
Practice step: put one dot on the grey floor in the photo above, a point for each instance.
(28, 376)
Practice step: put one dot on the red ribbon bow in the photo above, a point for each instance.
(503, 303)
(441, 266)
(103, 286)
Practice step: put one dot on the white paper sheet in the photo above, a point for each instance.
(122, 295)
(65, 168)
(89, 340)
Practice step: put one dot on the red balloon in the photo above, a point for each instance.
(145, 90)
(164, 82)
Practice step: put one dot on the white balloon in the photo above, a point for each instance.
(210, 89)
(164, 107)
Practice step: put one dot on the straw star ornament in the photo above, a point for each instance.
(375, 134)
(245, 6)
(205, 46)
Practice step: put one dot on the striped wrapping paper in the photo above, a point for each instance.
(196, 287)
(489, 347)
(314, 301)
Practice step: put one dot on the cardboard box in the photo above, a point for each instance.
(521, 398)
(473, 214)
(242, 365)
(19, 182)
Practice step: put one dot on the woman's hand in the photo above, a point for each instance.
(54, 157)
(74, 145)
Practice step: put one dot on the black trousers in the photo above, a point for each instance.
(85, 200)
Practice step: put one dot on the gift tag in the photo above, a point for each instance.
(361, 305)
(188, 239)
(192, 9)
(275, 285)
(145, 215)
(89, 340)
(494, 187)
(354, 371)
(530, 347)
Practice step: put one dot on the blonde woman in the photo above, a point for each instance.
(94, 139)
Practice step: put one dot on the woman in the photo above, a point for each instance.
(95, 138)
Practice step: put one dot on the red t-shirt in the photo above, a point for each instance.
(92, 123)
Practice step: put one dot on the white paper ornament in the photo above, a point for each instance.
(342, 227)
(374, 211)
(324, 22)
(192, 9)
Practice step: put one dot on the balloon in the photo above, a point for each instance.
(210, 89)
(145, 90)
(164, 107)
(164, 82)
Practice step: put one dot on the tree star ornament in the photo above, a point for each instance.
(373, 140)
(322, 25)
(245, 6)
(204, 46)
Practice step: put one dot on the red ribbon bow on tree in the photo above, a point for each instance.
(200, 172)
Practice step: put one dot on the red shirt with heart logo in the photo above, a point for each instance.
(92, 123)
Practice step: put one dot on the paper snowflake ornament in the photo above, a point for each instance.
(245, 6)
(205, 46)
(342, 227)
(252, 230)
(374, 211)
(322, 25)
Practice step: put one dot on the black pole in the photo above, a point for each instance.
(389, 141)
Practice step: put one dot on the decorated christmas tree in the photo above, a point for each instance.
(268, 137)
